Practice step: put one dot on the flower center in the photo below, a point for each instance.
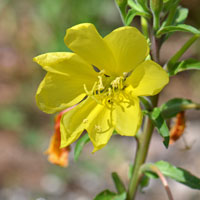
(107, 90)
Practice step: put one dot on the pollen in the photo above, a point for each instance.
(117, 83)
(125, 74)
(100, 84)
(85, 121)
(98, 128)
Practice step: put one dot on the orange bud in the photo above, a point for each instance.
(178, 129)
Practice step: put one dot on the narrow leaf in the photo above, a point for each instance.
(134, 5)
(178, 174)
(181, 15)
(180, 27)
(108, 195)
(161, 125)
(174, 106)
(132, 13)
(144, 182)
(143, 4)
(168, 4)
(118, 183)
(79, 145)
(189, 64)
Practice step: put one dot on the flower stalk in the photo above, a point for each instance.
(156, 8)
(143, 140)
(141, 153)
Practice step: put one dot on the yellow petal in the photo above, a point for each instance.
(127, 116)
(84, 40)
(75, 121)
(129, 48)
(63, 86)
(100, 129)
(148, 79)
(57, 92)
(67, 64)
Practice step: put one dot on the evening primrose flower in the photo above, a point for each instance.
(105, 77)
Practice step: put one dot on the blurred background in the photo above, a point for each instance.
(32, 27)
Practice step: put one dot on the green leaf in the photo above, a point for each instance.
(161, 125)
(132, 13)
(189, 64)
(174, 106)
(143, 4)
(135, 5)
(118, 183)
(181, 15)
(144, 182)
(121, 3)
(180, 27)
(145, 178)
(178, 174)
(146, 103)
(108, 195)
(79, 145)
(168, 4)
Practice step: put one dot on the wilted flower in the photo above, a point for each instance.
(178, 129)
(57, 155)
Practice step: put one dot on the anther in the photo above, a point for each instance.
(125, 74)
(100, 85)
(102, 72)
(85, 88)
(85, 121)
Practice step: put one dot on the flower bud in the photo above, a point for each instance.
(121, 2)
(156, 6)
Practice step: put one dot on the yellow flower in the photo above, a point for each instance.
(105, 76)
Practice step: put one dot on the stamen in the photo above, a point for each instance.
(100, 84)
(102, 72)
(86, 91)
(109, 92)
(125, 74)
(117, 83)
(92, 91)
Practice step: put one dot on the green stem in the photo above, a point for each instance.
(180, 52)
(122, 10)
(171, 15)
(156, 22)
(145, 28)
(141, 153)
